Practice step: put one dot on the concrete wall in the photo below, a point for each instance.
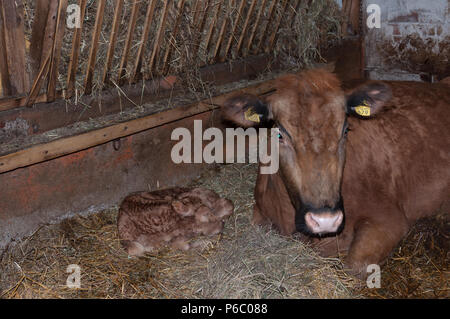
(413, 42)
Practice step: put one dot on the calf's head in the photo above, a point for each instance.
(310, 112)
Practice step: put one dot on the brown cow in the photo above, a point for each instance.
(391, 169)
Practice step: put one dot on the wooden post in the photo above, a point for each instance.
(14, 45)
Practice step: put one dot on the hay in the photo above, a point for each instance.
(315, 25)
(419, 266)
(244, 262)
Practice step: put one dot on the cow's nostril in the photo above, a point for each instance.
(324, 222)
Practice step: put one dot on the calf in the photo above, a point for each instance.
(149, 220)
(356, 168)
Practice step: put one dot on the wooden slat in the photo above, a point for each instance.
(174, 33)
(6, 88)
(112, 40)
(37, 36)
(255, 27)
(244, 28)
(158, 37)
(14, 40)
(68, 145)
(137, 72)
(262, 38)
(274, 34)
(73, 63)
(56, 50)
(129, 39)
(221, 36)
(40, 78)
(200, 25)
(94, 46)
(212, 27)
(197, 12)
(21, 101)
(233, 31)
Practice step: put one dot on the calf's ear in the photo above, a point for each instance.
(368, 99)
(246, 110)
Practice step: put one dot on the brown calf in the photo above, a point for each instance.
(389, 170)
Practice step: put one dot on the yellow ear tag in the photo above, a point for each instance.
(252, 116)
(363, 110)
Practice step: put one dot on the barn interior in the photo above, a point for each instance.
(91, 92)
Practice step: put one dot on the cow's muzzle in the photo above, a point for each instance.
(322, 222)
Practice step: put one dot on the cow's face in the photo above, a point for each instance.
(310, 111)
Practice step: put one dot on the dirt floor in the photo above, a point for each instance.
(244, 262)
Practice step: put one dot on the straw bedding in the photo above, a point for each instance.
(244, 262)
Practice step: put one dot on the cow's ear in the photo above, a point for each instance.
(246, 110)
(368, 99)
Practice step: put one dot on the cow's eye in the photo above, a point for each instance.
(345, 130)
(280, 136)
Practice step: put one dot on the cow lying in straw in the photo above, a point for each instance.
(356, 168)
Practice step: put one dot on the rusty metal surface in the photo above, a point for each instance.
(92, 179)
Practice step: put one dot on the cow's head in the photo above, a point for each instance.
(310, 110)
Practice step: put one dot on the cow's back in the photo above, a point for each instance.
(401, 158)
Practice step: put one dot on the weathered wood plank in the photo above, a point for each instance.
(14, 41)
(68, 145)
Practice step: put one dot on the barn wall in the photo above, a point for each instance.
(413, 42)
(93, 179)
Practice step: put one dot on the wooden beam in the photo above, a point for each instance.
(68, 145)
